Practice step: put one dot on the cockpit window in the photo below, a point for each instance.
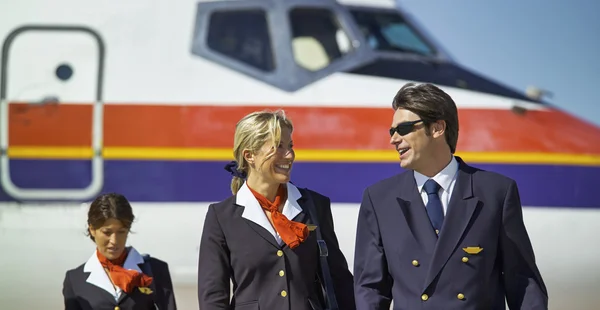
(248, 38)
(242, 35)
(388, 31)
(317, 38)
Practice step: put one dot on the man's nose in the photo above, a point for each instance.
(395, 139)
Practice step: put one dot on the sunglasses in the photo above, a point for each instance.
(404, 128)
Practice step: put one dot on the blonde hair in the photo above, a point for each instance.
(251, 133)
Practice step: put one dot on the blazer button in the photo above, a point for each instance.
(279, 253)
(424, 297)
(460, 296)
(283, 293)
(117, 308)
(415, 263)
(465, 259)
(281, 273)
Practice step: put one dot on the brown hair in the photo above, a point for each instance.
(109, 206)
(431, 104)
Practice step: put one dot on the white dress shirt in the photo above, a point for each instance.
(445, 178)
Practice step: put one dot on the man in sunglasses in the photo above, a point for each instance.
(442, 234)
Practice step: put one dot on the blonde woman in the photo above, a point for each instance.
(264, 237)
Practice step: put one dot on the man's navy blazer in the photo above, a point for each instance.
(481, 256)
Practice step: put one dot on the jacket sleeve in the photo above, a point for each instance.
(523, 282)
(372, 282)
(169, 292)
(71, 302)
(340, 274)
(213, 265)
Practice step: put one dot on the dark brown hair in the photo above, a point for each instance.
(431, 104)
(109, 206)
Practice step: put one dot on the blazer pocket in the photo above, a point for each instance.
(246, 305)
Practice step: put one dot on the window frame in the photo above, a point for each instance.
(439, 54)
(200, 47)
(241, 62)
(287, 75)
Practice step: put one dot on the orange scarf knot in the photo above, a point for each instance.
(292, 233)
(123, 278)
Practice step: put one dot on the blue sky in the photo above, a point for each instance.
(554, 44)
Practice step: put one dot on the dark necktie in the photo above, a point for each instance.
(434, 205)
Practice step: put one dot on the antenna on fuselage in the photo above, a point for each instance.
(536, 93)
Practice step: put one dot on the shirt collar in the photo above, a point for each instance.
(443, 178)
(98, 276)
(253, 211)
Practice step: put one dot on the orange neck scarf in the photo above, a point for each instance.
(292, 233)
(125, 279)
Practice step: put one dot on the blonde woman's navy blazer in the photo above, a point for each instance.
(238, 244)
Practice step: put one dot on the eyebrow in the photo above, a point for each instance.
(405, 121)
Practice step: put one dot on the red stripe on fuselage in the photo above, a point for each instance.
(180, 126)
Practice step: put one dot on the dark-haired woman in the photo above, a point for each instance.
(116, 277)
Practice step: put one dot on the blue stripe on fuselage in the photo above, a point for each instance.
(192, 181)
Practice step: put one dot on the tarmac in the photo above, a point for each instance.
(186, 298)
(38, 246)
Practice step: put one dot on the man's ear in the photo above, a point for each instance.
(438, 129)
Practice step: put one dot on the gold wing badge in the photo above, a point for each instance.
(311, 227)
(145, 290)
(473, 250)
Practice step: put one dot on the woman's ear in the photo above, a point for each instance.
(92, 231)
(248, 156)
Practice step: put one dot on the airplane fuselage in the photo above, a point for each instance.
(142, 97)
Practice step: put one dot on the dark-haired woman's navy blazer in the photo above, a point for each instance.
(239, 244)
(88, 287)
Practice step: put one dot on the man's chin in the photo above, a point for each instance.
(405, 164)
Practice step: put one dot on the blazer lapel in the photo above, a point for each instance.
(98, 277)
(254, 216)
(103, 291)
(415, 214)
(261, 231)
(302, 216)
(461, 209)
(122, 297)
